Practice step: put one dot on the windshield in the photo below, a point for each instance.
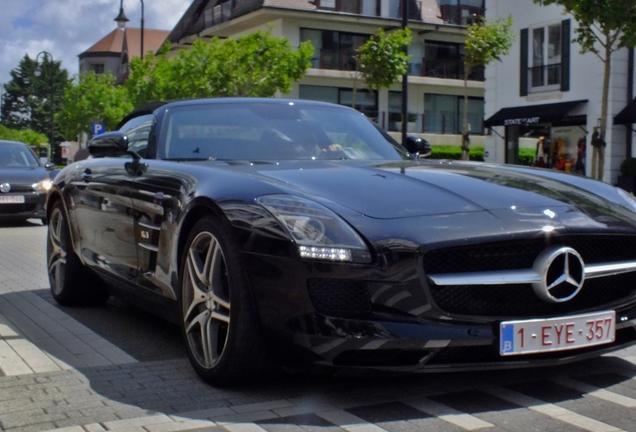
(17, 155)
(272, 131)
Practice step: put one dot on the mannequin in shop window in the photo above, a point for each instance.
(579, 166)
(558, 155)
(540, 159)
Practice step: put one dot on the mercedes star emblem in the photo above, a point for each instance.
(5, 187)
(562, 273)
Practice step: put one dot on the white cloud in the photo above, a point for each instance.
(66, 28)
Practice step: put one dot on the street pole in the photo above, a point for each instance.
(37, 72)
(405, 81)
(142, 29)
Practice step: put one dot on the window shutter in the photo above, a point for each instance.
(565, 55)
(523, 63)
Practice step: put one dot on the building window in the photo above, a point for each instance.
(359, 7)
(444, 114)
(462, 12)
(333, 49)
(365, 101)
(545, 58)
(442, 60)
(97, 68)
(545, 69)
(395, 115)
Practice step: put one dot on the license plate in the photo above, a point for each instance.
(12, 199)
(556, 334)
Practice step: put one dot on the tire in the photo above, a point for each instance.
(72, 284)
(218, 317)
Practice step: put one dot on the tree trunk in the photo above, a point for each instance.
(465, 131)
(604, 97)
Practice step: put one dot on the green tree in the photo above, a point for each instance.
(256, 64)
(383, 60)
(93, 98)
(605, 26)
(485, 42)
(27, 101)
(27, 136)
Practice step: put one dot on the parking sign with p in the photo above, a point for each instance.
(98, 128)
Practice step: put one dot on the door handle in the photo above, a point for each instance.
(87, 175)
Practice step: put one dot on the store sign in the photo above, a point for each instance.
(522, 121)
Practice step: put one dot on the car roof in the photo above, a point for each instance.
(7, 142)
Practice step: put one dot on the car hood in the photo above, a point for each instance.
(23, 175)
(404, 189)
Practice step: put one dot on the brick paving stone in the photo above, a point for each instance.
(34, 427)
(29, 417)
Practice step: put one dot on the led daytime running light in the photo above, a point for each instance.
(325, 253)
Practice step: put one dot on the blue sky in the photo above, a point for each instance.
(66, 28)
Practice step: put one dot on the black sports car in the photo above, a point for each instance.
(24, 182)
(296, 232)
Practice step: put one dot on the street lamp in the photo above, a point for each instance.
(37, 72)
(121, 21)
(405, 77)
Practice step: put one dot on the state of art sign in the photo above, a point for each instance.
(521, 121)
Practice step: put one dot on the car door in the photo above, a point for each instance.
(102, 212)
(158, 198)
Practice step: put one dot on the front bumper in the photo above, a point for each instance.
(33, 207)
(385, 319)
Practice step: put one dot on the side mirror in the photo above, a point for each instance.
(417, 146)
(109, 144)
(49, 166)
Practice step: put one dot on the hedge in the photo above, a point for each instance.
(526, 155)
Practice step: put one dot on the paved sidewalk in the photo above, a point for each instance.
(58, 374)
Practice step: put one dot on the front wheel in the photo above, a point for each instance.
(71, 282)
(218, 317)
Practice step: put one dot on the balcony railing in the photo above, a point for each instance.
(344, 60)
(438, 123)
(544, 78)
(369, 8)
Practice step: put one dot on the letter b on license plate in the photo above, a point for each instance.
(556, 334)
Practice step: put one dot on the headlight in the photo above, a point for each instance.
(42, 185)
(319, 233)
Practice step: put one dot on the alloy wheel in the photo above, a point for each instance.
(206, 300)
(56, 251)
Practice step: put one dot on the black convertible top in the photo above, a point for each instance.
(149, 108)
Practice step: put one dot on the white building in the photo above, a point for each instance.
(546, 87)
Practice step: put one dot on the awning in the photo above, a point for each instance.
(628, 115)
(534, 114)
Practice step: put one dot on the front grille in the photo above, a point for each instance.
(520, 254)
(11, 209)
(520, 300)
(21, 188)
(339, 296)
